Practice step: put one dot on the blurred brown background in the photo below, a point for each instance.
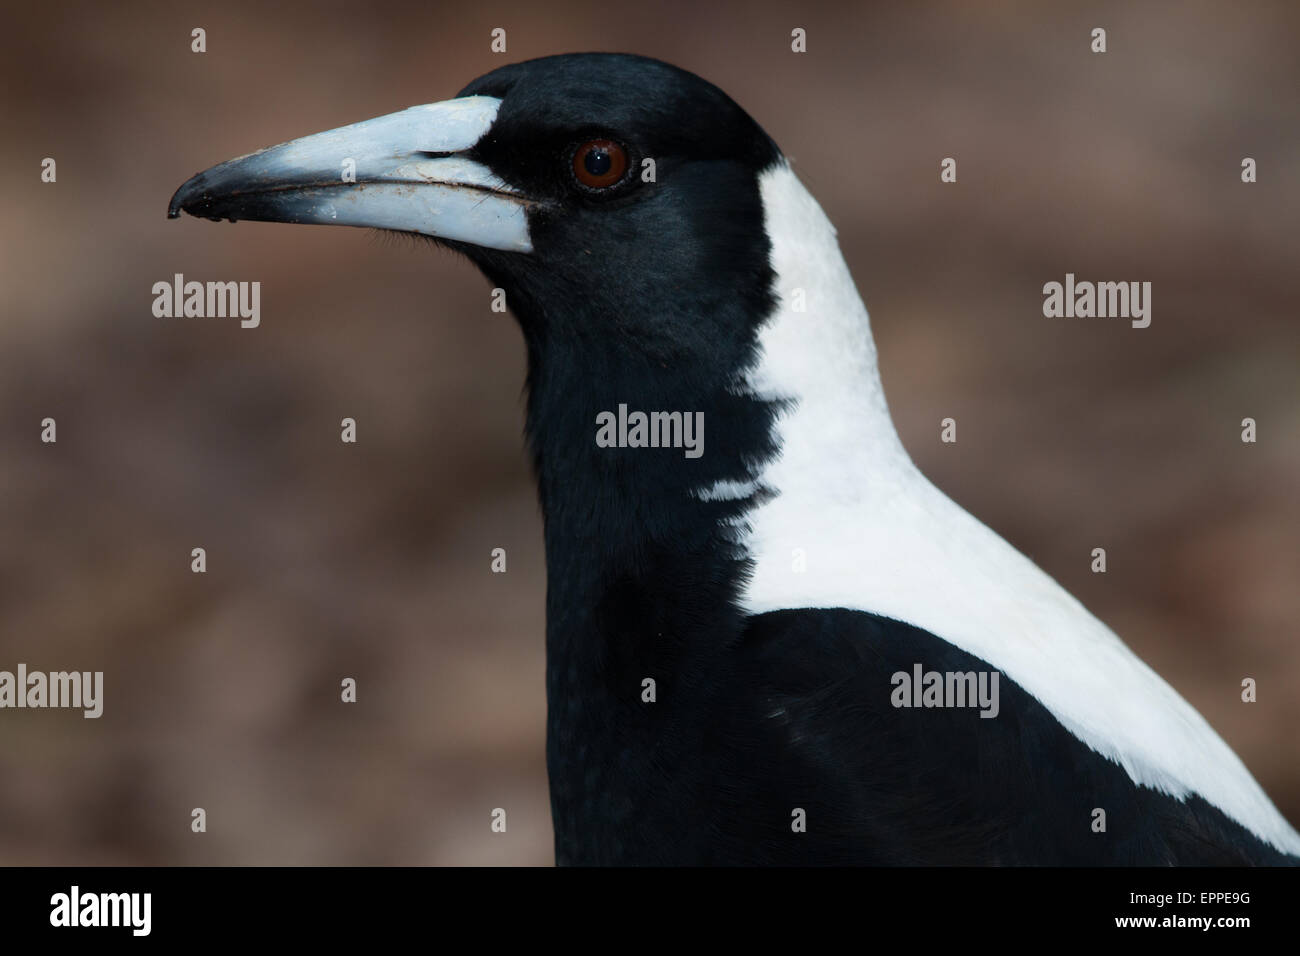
(372, 561)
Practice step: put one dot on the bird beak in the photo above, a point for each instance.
(406, 171)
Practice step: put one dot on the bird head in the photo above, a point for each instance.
(615, 198)
(639, 222)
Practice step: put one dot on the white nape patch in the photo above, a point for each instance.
(879, 537)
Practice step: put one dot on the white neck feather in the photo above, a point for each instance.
(876, 536)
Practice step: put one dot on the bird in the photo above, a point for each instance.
(743, 618)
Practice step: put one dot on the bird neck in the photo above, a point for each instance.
(646, 538)
(648, 550)
(816, 352)
(643, 575)
(642, 564)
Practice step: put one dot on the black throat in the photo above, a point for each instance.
(642, 581)
(643, 572)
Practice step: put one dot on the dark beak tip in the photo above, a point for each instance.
(187, 197)
(179, 203)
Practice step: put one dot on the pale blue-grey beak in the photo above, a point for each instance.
(406, 171)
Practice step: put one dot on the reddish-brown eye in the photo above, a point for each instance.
(599, 163)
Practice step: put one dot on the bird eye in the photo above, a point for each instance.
(600, 163)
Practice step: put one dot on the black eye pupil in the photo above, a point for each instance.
(597, 162)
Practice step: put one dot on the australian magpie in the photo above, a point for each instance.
(764, 634)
